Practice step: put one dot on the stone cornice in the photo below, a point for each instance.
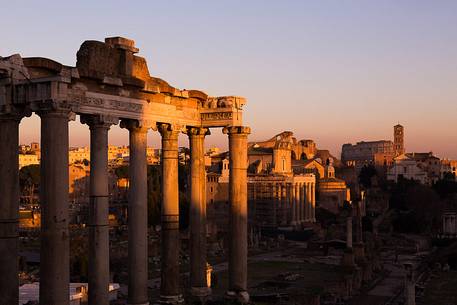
(197, 131)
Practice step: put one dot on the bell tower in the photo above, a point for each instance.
(399, 137)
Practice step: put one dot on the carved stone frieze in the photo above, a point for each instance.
(210, 116)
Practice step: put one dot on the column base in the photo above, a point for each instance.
(171, 299)
(199, 295)
(200, 292)
(240, 296)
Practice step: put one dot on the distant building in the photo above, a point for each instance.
(283, 173)
(33, 148)
(29, 218)
(29, 154)
(277, 195)
(399, 140)
(378, 153)
(332, 192)
(449, 167)
(78, 182)
(405, 167)
(28, 159)
(78, 154)
(422, 167)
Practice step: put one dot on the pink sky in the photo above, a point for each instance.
(335, 72)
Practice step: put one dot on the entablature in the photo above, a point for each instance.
(110, 79)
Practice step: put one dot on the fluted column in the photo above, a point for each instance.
(302, 203)
(55, 239)
(284, 207)
(98, 270)
(9, 208)
(197, 221)
(293, 220)
(169, 288)
(313, 202)
(277, 200)
(297, 203)
(238, 212)
(137, 214)
(308, 203)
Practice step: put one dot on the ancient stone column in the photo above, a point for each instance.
(308, 212)
(313, 202)
(349, 232)
(359, 248)
(277, 202)
(98, 271)
(197, 223)
(9, 208)
(293, 204)
(238, 212)
(348, 256)
(302, 203)
(284, 207)
(410, 286)
(169, 289)
(137, 214)
(55, 239)
(297, 203)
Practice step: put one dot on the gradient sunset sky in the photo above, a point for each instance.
(332, 71)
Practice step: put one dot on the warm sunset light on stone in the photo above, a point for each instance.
(228, 152)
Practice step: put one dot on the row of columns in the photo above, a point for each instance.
(55, 248)
(300, 199)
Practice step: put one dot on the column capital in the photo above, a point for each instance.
(99, 121)
(237, 130)
(54, 108)
(169, 131)
(138, 125)
(197, 131)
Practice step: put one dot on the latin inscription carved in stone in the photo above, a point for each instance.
(216, 116)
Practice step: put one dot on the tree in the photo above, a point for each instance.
(446, 187)
(122, 171)
(366, 173)
(418, 207)
(29, 181)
